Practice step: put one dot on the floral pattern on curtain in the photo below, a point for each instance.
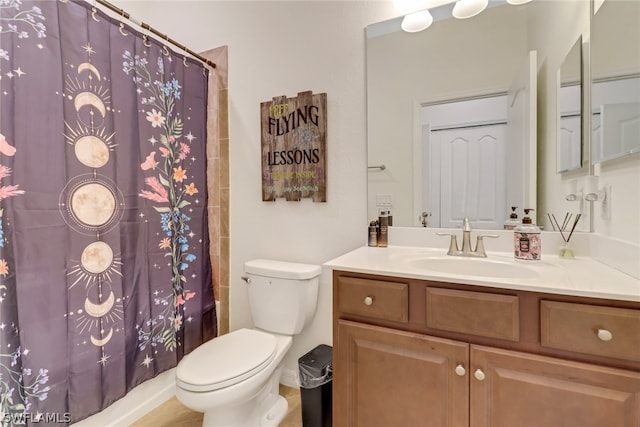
(105, 275)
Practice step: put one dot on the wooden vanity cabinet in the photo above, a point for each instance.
(418, 353)
(525, 390)
(390, 377)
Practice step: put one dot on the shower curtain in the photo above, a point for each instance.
(105, 275)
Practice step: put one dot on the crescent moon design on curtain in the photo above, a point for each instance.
(101, 342)
(90, 67)
(99, 310)
(89, 98)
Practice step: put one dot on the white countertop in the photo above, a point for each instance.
(581, 276)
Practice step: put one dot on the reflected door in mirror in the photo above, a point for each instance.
(471, 170)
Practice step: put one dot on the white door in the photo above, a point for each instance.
(471, 163)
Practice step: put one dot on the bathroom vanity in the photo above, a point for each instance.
(491, 342)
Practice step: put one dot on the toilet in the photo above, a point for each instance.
(234, 379)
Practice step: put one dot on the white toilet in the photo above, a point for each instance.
(234, 379)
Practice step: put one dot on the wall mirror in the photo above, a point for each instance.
(464, 64)
(569, 144)
(615, 80)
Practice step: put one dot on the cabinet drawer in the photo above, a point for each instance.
(476, 313)
(602, 331)
(378, 299)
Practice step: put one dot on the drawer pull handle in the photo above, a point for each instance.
(479, 375)
(368, 301)
(460, 371)
(605, 335)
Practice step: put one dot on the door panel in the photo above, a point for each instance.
(383, 377)
(472, 176)
(531, 391)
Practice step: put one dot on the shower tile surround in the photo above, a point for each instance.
(218, 179)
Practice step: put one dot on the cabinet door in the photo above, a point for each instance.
(517, 389)
(384, 377)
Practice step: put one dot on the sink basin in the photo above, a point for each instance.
(485, 267)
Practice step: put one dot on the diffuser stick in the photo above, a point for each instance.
(575, 223)
(559, 228)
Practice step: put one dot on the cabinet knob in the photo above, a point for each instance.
(480, 376)
(460, 371)
(604, 335)
(368, 301)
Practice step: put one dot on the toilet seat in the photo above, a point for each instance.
(226, 360)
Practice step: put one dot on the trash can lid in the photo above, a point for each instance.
(319, 358)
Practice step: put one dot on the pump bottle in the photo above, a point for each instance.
(513, 220)
(526, 239)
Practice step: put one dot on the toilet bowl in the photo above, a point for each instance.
(234, 379)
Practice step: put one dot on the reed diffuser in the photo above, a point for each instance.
(566, 251)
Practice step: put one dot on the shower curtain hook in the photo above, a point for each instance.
(121, 29)
(145, 40)
(184, 62)
(93, 14)
(165, 51)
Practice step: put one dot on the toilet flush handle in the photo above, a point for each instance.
(246, 279)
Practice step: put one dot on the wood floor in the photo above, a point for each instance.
(173, 414)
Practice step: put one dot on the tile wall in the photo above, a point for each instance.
(218, 178)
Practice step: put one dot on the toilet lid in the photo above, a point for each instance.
(226, 360)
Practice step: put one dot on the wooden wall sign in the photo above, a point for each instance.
(294, 134)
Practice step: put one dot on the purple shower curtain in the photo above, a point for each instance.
(105, 278)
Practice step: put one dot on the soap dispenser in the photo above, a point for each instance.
(513, 220)
(527, 241)
(383, 230)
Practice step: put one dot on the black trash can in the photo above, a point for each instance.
(315, 386)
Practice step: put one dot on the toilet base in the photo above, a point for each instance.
(275, 413)
(267, 409)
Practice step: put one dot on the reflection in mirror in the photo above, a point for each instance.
(615, 86)
(454, 60)
(569, 145)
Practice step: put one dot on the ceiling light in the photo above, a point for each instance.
(417, 21)
(517, 2)
(467, 8)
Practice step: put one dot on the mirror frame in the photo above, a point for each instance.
(622, 70)
(567, 78)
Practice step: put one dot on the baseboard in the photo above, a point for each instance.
(289, 378)
(139, 401)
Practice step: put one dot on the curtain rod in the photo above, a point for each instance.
(147, 27)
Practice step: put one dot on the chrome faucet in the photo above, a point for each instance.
(466, 250)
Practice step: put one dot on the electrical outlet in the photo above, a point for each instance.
(383, 200)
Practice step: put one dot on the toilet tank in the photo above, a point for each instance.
(282, 295)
